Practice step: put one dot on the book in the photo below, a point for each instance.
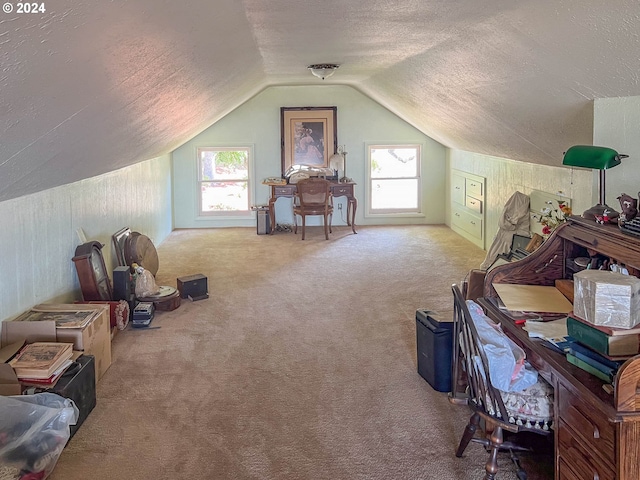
(588, 368)
(40, 360)
(47, 382)
(613, 331)
(63, 319)
(610, 345)
(582, 351)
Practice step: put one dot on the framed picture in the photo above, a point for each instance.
(119, 242)
(309, 136)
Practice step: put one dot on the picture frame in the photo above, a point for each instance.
(119, 242)
(309, 136)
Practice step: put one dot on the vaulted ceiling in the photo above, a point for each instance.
(90, 86)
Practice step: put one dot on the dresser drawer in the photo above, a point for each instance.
(580, 457)
(596, 432)
(467, 222)
(341, 190)
(473, 204)
(284, 190)
(474, 188)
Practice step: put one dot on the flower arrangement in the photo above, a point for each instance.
(552, 216)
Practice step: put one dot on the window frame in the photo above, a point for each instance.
(397, 212)
(249, 181)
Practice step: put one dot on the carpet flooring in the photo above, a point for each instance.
(300, 365)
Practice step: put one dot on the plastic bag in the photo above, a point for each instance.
(507, 366)
(146, 285)
(33, 431)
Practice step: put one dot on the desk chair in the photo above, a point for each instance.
(313, 197)
(494, 411)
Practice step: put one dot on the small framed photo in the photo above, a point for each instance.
(309, 136)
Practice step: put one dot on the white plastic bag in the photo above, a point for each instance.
(146, 285)
(34, 429)
(507, 366)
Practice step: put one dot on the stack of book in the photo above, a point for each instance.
(598, 349)
(42, 363)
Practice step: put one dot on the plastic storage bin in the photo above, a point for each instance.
(434, 341)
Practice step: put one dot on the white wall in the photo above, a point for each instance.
(617, 125)
(257, 122)
(504, 177)
(38, 235)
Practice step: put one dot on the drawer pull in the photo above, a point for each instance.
(472, 222)
(596, 433)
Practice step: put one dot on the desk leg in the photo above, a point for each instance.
(352, 205)
(272, 214)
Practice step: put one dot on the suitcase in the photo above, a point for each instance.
(434, 339)
(79, 384)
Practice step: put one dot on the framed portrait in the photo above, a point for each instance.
(308, 136)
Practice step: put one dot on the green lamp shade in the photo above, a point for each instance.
(589, 156)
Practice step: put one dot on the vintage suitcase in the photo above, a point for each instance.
(79, 384)
(193, 286)
(434, 342)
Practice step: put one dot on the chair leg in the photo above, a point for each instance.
(495, 440)
(469, 433)
(326, 231)
(295, 224)
(304, 218)
(330, 222)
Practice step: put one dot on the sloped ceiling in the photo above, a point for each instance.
(87, 87)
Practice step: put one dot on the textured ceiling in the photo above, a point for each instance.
(91, 86)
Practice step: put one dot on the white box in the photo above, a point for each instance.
(607, 298)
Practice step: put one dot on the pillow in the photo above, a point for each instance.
(531, 407)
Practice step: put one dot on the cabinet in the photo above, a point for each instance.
(467, 206)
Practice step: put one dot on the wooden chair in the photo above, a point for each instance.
(313, 197)
(493, 411)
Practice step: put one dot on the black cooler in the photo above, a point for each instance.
(434, 339)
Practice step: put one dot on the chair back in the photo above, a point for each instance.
(313, 192)
(468, 353)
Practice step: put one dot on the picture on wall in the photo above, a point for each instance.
(308, 136)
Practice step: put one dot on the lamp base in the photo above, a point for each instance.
(597, 213)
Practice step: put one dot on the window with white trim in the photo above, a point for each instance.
(394, 179)
(223, 181)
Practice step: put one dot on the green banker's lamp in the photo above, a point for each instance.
(599, 158)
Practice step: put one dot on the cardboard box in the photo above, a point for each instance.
(607, 298)
(9, 384)
(92, 339)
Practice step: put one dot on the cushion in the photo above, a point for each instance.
(531, 407)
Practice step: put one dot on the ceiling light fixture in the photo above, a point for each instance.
(323, 70)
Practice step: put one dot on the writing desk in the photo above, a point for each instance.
(338, 189)
(597, 435)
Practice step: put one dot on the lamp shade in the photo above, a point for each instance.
(590, 156)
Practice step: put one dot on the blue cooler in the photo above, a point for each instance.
(435, 341)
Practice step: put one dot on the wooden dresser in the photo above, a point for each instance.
(597, 434)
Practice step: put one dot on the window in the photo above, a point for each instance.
(394, 179)
(223, 181)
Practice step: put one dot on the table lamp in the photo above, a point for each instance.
(599, 158)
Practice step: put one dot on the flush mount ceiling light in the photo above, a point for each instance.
(323, 70)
